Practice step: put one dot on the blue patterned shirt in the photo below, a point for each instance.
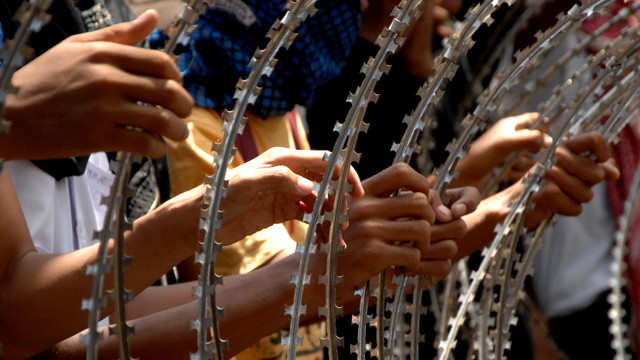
(228, 34)
(1, 45)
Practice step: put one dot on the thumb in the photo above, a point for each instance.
(128, 33)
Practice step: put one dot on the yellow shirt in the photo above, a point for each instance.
(190, 160)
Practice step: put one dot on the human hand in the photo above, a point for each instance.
(385, 231)
(83, 96)
(493, 148)
(448, 230)
(568, 183)
(274, 187)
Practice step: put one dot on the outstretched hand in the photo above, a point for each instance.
(569, 182)
(385, 231)
(84, 95)
(274, 187)
(492, 149)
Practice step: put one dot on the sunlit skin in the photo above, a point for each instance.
(437, 233)
(567, 186)
(82, 96)
(413, 231)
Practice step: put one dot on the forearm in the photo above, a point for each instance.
(159, 298)
(253, 308)
(41, 294)
(259, 299)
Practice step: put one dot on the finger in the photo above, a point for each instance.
(440, 14)
(515, 175)
(406, 205)
(167, 94)
(297, 160)
(463, 200)
(571, 185)
(128, 33)
(523, 121)
(398, 176)
(442, 213)
(354, 179)
(306, 205)
(431, 180)
(592, 142)
(584, 168)
(134, 60)
(308, 163)
(416, 231)
(441, 250)
(281, 179)
(523, 138)
(152, 119)
(611, 170)
(529, 140)
(552, 199)
(523, 163)
(433, 268)
(400, 256)
(455, 229)
(137, 142)
(444, 31)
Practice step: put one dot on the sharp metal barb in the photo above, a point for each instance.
(116, 224)
(502, 231)
(560, 94)
(619, 328)
(430, 95)
(281, 35)
(111, 229)
(344, 154)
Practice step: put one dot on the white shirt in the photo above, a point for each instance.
(62, 215)
(575, 265)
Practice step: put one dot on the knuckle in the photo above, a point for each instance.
(402, 169)
(161, 121)
(450, 249)
(98, 51)
(459, 229)
(275, 152)
(419, 201)
(280, 172)
(421, 228)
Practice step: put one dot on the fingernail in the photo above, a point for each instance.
(459, 210)
(443, 211)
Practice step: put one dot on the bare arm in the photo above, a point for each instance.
(41, 294)
(254, 303)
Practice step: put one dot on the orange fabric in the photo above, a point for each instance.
(190, 160)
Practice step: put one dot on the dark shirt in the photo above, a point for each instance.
(228, 34)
